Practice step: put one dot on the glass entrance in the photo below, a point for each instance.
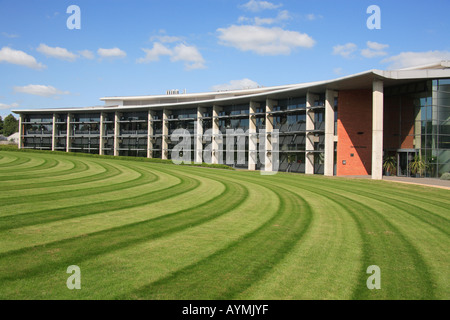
(405, 157)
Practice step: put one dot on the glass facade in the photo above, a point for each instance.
(417, 123)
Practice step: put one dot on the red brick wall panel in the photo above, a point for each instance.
(354, 132)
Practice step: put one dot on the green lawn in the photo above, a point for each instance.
(147, 230)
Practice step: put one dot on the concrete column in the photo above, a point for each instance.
(165, 134)
(116, 133)
(309, 145)
(329, 133)
(54, 132)
(102, 133)
(216, 146)
(150, 134)
(268, 166)
(20, 142)
(377, 130)
(68, 137)
(198, 136)
(418, 129)
(252, 137)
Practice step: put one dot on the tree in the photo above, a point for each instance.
(10, 125)
(1, 125)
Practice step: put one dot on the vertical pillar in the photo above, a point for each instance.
(102, 134)
(198, 136)
(68, 135)
(20, 142)
(309, 145)
(116, 133)
(418, 129)
(150, 134)
(54, 132)
(377, 130)
(216, 153)
(165, 134)
(268, 166)
(252, 137)
(329, 133)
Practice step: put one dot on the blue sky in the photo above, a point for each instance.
(140, 47)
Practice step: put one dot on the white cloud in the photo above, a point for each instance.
(166, 38)
(255, 5)
(312, 17)
(345, 50)
(10, 35)
(8, 106)
(190, 55)
(40, 90)
(410, 59)
(374, 49)
(87, 54)
(264, 41)
(376, 45)
(20, 58)
(111, 53)
(57, 52)
(154, 53)
(282, 16)
(236, 85)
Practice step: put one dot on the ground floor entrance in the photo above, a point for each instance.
(404, 158)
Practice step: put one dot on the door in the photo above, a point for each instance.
(404, 159)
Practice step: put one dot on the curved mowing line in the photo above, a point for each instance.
(106, 241)
(43, 171)
(413, 276)
(231, 270)
(145, 177)
(439, 222)
(15, 163)
(44, 216)
(40, 170)
(35, 163)
(82, 168)
(418, 196)
(78, 167)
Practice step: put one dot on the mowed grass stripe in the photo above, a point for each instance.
(164, 188)
(384, 245)
(231, 270)
(66, 228)
(81, 169)
(84, 194)
(112, 174)
(30, 262)
(323, 265)
(351, 224)
(149, 260)
(52, 167)
(16, 163)
(49, 166)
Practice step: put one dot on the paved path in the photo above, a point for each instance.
(445, 184)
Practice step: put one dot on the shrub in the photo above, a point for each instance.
(445, 176)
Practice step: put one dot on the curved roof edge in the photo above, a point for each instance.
(355, 81)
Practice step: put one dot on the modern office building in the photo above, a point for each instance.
(345, 126)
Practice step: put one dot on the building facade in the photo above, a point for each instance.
(346, 126)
